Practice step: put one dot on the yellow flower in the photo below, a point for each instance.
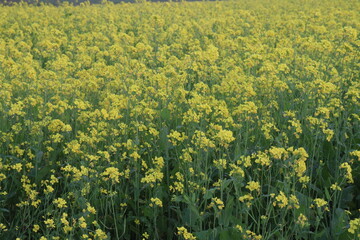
(278, 153)
(335, 187)
(112, 173)
(348, 173)
(320, 202)
(354, 225)
(329, 134)
(176, 137)
(60, 203)
(201, 141)
(36, 228)
(245, 160)
(159, 162)
(17, 167)
(247, 108)
(262, 159)
(182, 231)
(3, 227)
(57, 125)
(48, 189)
(85, 236)
(220, 164)
(49, 223)
(246, 198)
(82, 222)
(67, 228)
(224, 137)
(100, 234)
(73, 147)
(152, 176)
(297, 127)
(16, 109)
(145, 236)
(217, 202)
(293, 202)
(240, 228)
(236, 170)
(156, 201)
(252, 235)
(355, 154)
(2, 177)
(281, 200)
(253, 186)
(302, 220)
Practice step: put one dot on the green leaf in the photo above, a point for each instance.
(191, 216)
(209, 194)
(225, 183)
(327, 194)
(164, 142)
(209, 234)
(165, 114)
(339, 222)
(321, 235)
(226, 214)
(4, 210)
(347, 196)
(230, 233)
(42, 173)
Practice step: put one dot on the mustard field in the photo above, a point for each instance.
(180, 120)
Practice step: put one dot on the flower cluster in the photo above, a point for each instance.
(187, 120)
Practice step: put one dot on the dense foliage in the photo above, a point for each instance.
(202, 120)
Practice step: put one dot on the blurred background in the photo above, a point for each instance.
(77, 2)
